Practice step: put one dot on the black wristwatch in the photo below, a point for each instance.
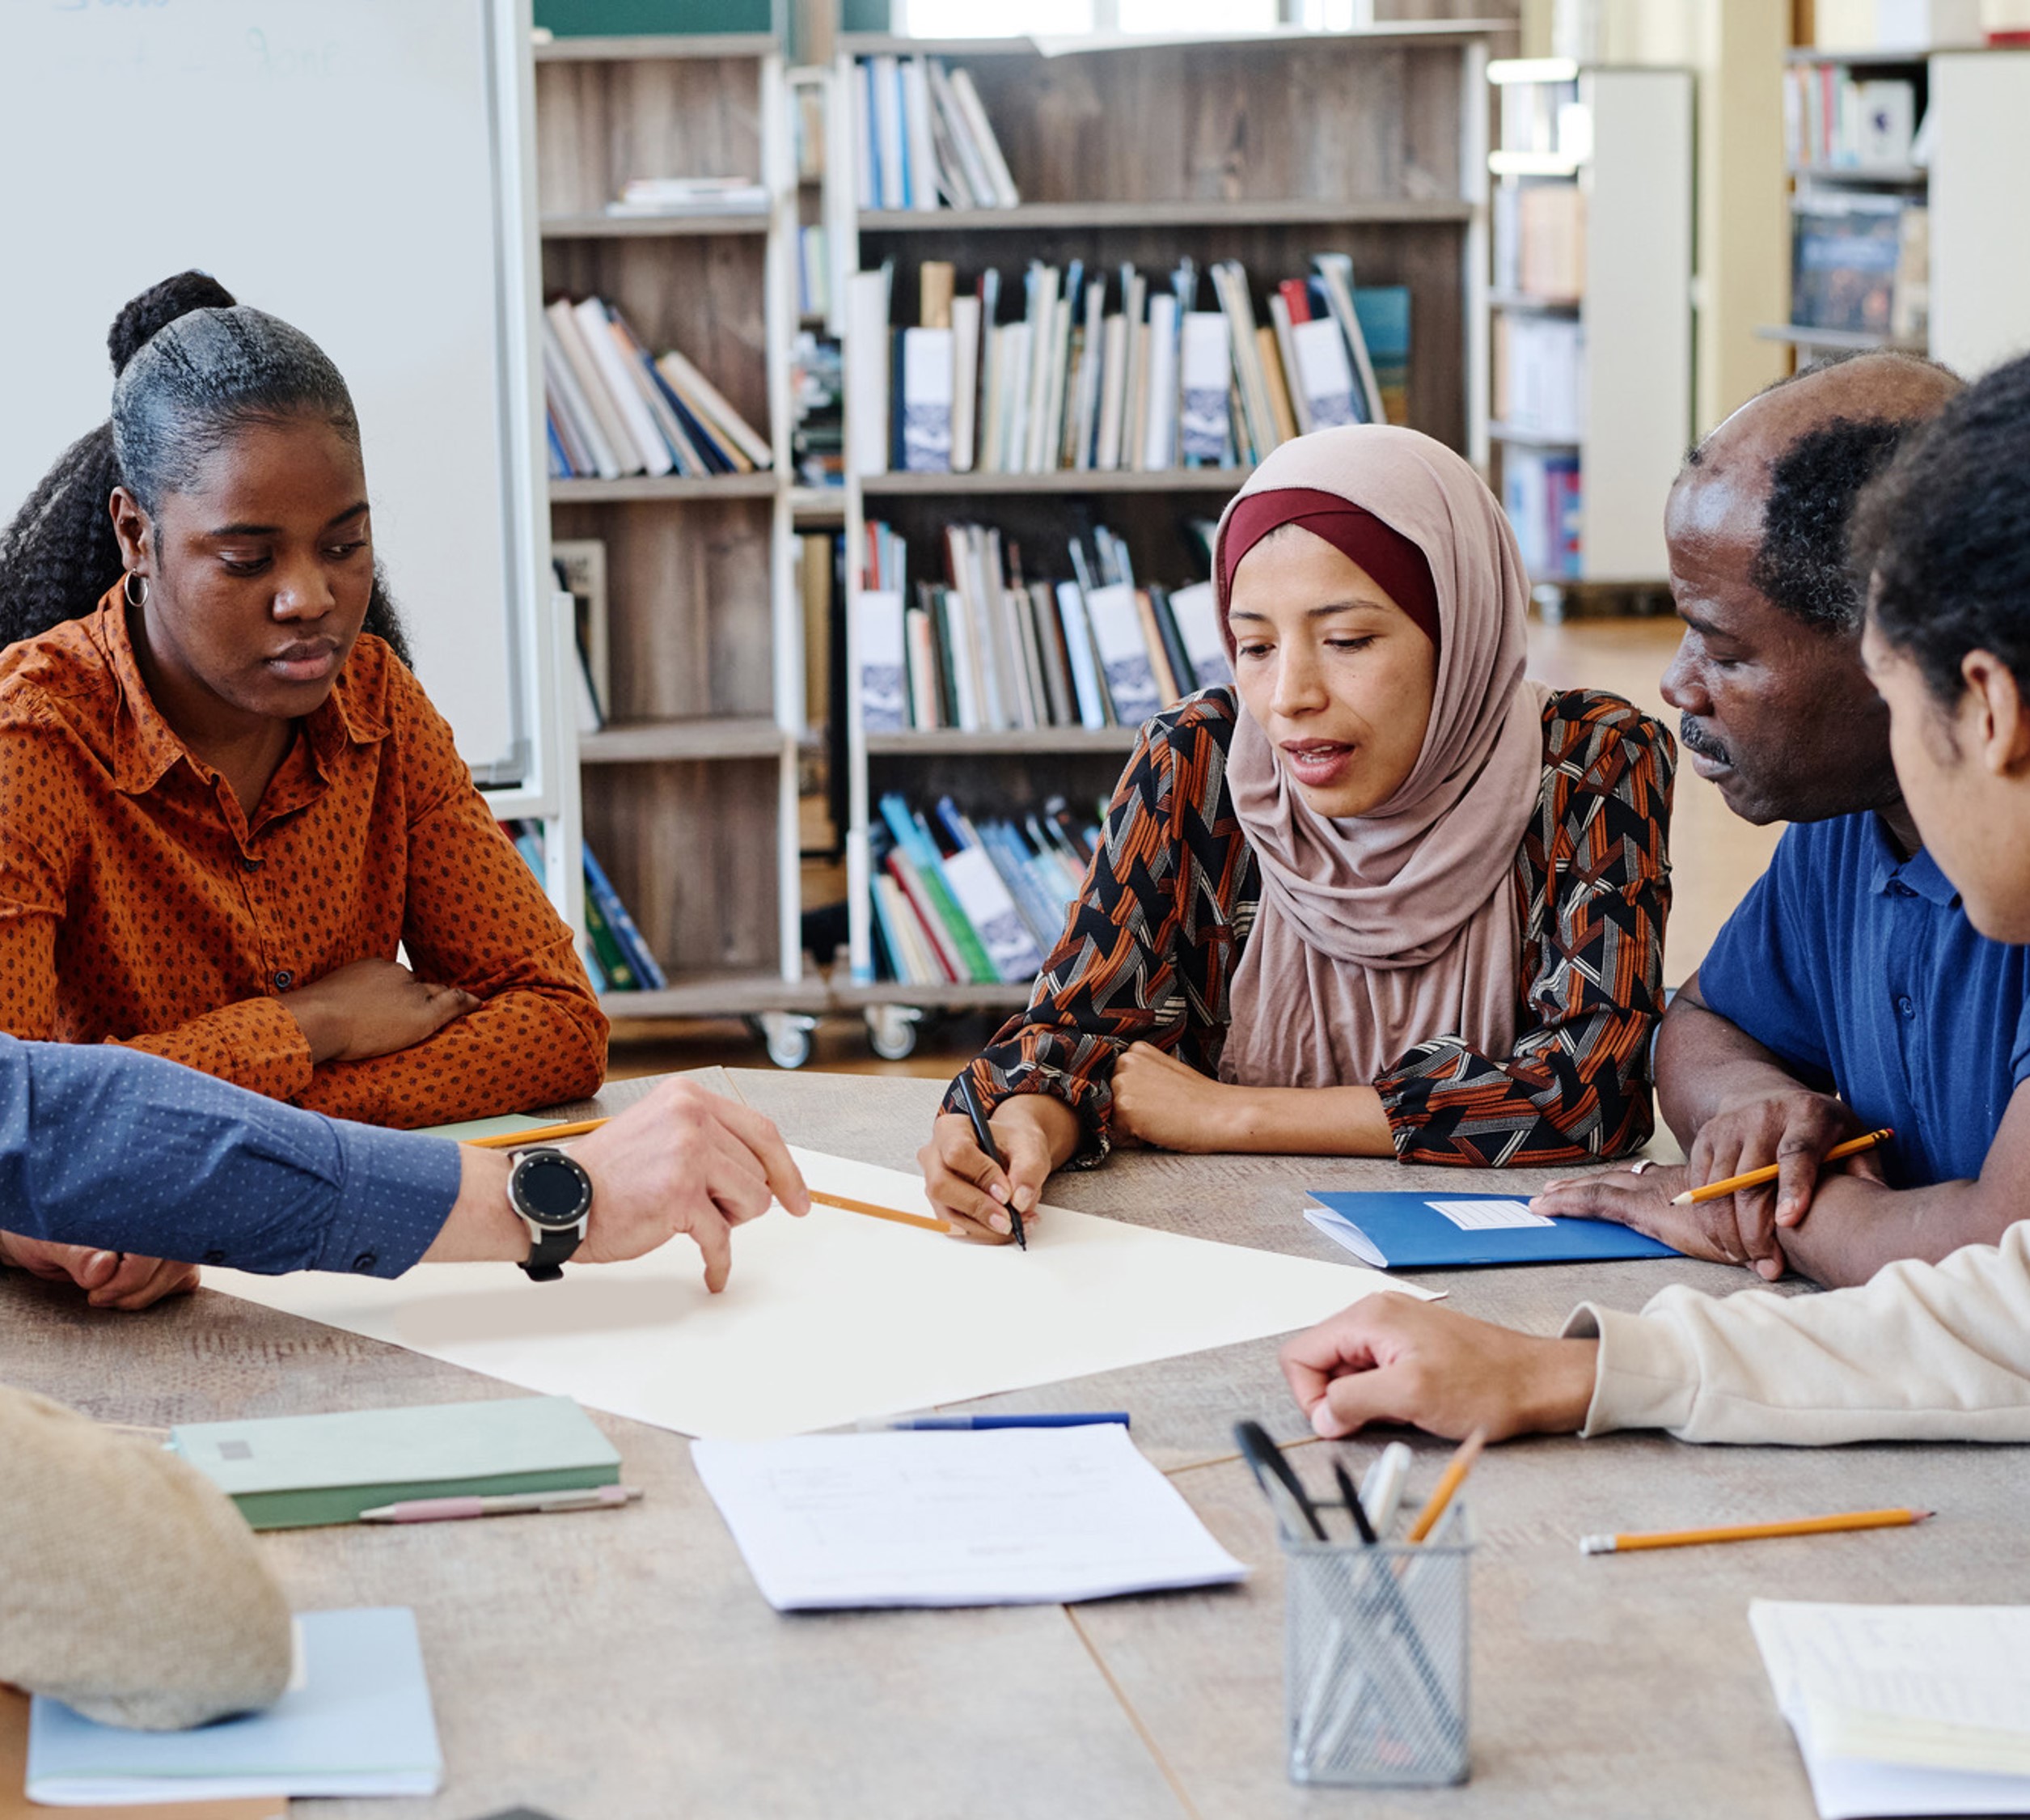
(552, 1194)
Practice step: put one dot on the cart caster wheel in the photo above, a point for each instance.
(892, 1031)
(788, 1035)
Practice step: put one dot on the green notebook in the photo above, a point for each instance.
(291, 1472)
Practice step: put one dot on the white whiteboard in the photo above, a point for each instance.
(335, 163)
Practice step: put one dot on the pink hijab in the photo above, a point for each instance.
(1378, 931)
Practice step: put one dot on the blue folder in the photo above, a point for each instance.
(1405, 1232)
(361, 1724)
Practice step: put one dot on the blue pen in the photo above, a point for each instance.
(1079, 1422)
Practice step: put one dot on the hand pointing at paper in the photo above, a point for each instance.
(680, 1161)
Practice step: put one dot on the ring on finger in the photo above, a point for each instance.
(1642, 1167)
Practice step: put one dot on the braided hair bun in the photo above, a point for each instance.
(158, 306)
(191, 367)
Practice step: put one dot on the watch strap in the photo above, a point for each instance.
(548, 1255)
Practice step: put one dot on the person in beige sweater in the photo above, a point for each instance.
(133, 1590)
(1923, 1350)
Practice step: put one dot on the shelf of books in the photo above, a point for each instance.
(669, 228)
(1905, 164)
(1080, 297)
(1590, 317)
(1856, 148)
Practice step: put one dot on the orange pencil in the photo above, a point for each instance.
(1449, 1482)
(535, 1134)
(874, 1213)
(1752, 1532)
(1756, 1177)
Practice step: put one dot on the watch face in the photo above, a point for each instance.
(551, 1190)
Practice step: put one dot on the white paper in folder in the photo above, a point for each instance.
(834, 1316)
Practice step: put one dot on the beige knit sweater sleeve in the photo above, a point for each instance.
(131, 1589)
(1921, 1352)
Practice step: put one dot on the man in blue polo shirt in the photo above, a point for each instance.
(1849, 992)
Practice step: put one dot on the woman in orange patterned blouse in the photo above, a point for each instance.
(1382, 897)
(224, 799)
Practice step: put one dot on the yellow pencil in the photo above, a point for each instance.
(874, 1213)
(1756, 1177)
(535, 1134)
(1752, 1532)
(1449, 1481)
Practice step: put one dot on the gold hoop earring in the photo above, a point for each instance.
(127, 587)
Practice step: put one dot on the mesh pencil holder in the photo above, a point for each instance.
(1375, 1659)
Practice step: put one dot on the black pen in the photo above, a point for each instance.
(984, 1138)
(1273, 1474)
(1355, 1509)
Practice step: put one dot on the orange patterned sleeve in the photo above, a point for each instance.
(475, 917)
(44, 815)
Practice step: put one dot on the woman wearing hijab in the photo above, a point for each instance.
(1384, 896)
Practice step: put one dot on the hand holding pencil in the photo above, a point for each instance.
(1753, 1172)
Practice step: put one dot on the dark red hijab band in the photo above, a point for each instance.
(1359, 535)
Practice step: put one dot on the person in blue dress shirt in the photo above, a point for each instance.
(123, 1172)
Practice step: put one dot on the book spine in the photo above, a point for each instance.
(597, 328)
(619, 975)
(938, 935)
(621, 924)
(915, 843)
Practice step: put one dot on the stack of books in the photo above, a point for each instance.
(1540, 374)
(615, 409)
(922, 139)
(690, 195)
(1540, 241)
(615, 956)
(1104, 373)
(1541, 493)
(1545, 117)
(961, 902)
(1831, 119)
(817, 388)
(986, 649)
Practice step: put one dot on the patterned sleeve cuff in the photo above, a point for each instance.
(1091, 1099)
(395, 1192)
(256, 1044)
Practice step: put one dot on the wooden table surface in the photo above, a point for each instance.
(619, 1664)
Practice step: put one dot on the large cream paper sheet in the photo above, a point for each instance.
(833, 1318)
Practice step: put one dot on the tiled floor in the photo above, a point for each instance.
(1714, 858)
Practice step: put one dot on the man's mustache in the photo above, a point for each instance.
(1692, 736)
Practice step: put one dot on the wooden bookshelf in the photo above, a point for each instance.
(688, 795)
(662, 487)
(1322, 211)
(945, 741)
(1266, 148)
(715, 47)
(603, 226)
(706, 738)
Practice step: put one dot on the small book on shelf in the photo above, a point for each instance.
(627, 939)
